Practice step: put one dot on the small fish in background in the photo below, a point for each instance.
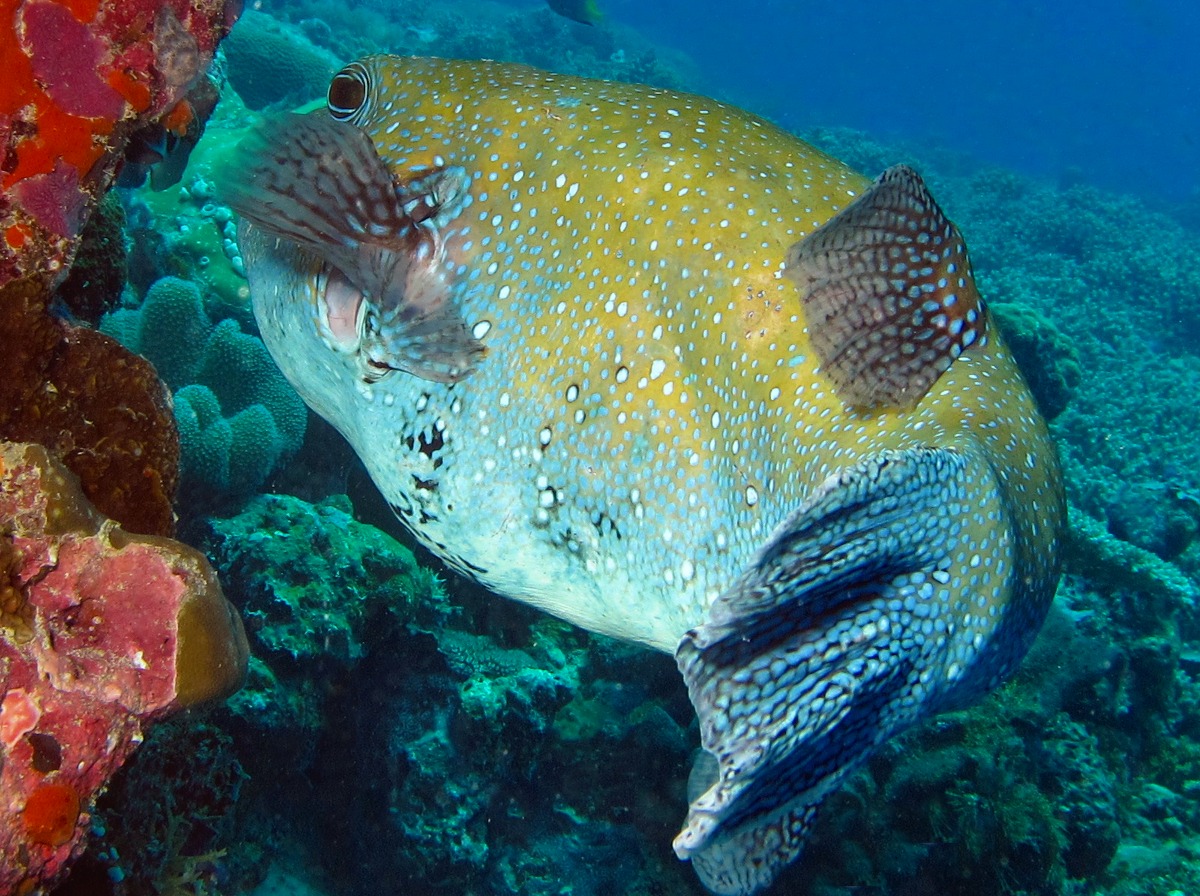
(653, 365)
(160, 149)
(586, 12)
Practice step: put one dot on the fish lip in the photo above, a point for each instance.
(421, 208)
(341, 307)
(345, 317)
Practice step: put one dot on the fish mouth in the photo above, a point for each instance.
(414, 327)
(341, 309)
(386, 290)
(348, 322)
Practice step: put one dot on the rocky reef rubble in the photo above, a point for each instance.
(102, 632)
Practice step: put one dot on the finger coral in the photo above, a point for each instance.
(238, 417)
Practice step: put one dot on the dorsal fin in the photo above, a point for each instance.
(888, 293)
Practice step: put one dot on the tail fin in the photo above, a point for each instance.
(845, 629)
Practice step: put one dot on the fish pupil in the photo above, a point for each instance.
(347, 92)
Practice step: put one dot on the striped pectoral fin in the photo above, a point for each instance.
(320, 184)
(888, 293)
(814, 656)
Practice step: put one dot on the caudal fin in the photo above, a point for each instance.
(845, 629)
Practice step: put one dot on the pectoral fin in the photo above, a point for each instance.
(319, 183)
(819, 652)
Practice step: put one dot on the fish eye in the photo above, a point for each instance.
(348, 92)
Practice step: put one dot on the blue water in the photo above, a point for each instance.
(1109, 88)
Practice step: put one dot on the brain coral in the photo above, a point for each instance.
(271, 63)
(238, 418)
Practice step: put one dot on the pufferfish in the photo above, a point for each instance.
(653, 365)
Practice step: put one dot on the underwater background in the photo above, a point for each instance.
(403, 731)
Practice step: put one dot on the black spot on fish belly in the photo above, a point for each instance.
(431, 442)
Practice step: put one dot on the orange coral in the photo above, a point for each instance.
(16, 236)
(78, 75)
(51, 813)
(83, 10)
(60, 135)
(179, 118)
(16, 87)
(135, 91)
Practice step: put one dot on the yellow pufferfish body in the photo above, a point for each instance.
(653, 365)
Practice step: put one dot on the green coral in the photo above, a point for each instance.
(186, 231)
(313, 579)
(169, 329)
(1047, 357)
(271, 63)
(238, 418)
(1091, 551)
(233, 455)
(239, 370)
(316, 588)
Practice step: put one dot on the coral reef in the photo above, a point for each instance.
(312, 579)
(184, 231)
(1045, 354)
(375, 710)
(405, 741)
(80, 78)
(1091, 551)
(238, 418)
(164, 825)
(492, 782)
(103, 410)
(1158, 517)
(272, 63)
(486, 30)
(101, 632)
(316, 587)
(93, 285)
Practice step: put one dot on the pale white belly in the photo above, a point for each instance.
(511, 515)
